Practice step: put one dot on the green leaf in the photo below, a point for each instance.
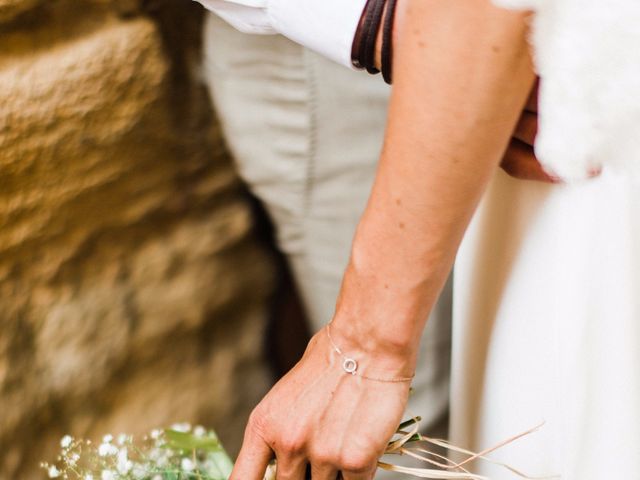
(408, 423)
(208, 444)
(185, 441)
(223, 465)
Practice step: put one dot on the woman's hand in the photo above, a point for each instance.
(321, 418)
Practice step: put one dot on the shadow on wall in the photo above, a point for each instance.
(133, 291)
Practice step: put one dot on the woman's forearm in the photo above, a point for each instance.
(453, 108)
(456, 99)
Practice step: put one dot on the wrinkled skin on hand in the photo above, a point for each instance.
(319, 419)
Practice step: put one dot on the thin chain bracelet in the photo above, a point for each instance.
(350, 365)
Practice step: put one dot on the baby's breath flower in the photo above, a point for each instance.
(187, 465)
(72, 459)
(123, 438)
(53, 472)
(199, 431)
(108, 475)
(88, 476)
(107, 438)
(163, 460)
(139, 472)
(66, 441)
(124, 465)
(183, 427)
(156, 434)
(106, 450)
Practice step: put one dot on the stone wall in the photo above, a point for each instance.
(132, 290)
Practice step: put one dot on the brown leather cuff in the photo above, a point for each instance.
(359, 37)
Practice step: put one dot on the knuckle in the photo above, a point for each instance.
(257, 424)
(323, 456)
(290, 444)
(357, 462)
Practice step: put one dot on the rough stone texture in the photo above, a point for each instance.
(9, 9)
(132, 293)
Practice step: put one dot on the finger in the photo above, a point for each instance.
(520, 162)
(291, 468)
(323, 472)
(358, 476)
(527, 128)
(532, 102)
(254, 457)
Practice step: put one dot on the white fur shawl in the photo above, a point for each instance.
(588, 56)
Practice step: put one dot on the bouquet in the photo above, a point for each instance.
(177, 453)
(185, 453)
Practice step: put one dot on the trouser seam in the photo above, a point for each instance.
(312, 91)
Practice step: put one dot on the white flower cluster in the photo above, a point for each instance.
(185, 453)
(178, 453)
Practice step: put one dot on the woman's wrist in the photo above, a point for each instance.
(374, 358)
(375, 320)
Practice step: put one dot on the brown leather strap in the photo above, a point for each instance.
(387, 42)
(359, 37)
(369, 54)
(364, 45)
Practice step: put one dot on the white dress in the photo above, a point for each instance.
(547, 285)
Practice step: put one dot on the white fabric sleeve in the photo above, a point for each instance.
(325, 26)
(248, 16)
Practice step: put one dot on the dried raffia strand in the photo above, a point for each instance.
(411, 443)
(270, 474)
(350, 365)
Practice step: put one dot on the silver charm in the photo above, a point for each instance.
(350, 366)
